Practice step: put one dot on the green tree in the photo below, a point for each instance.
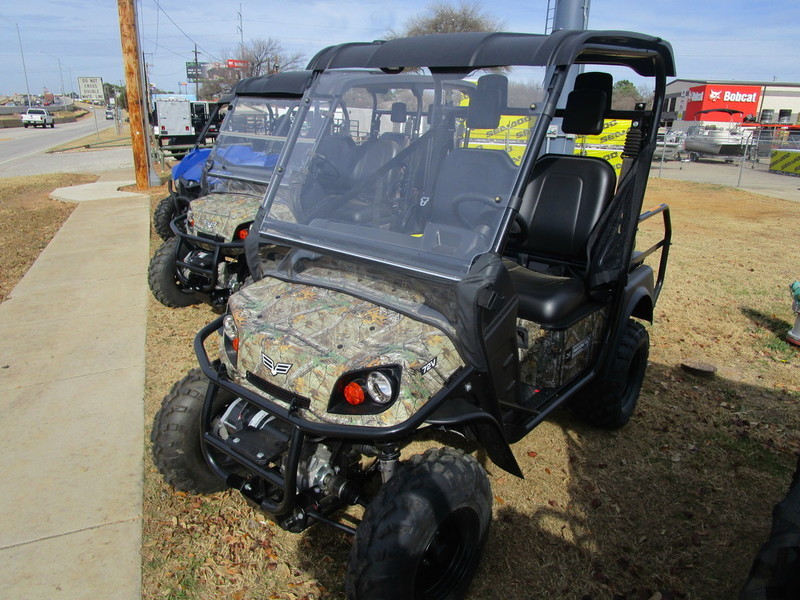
(626, 94)
(443, 17)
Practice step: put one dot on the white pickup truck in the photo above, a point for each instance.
(38, 116)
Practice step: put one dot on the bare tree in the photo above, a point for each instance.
(267, 56)
(444, 17)
(260, 57)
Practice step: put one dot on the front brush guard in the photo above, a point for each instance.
(188, 243)
(443, 410)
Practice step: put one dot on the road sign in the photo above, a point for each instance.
(91, 88)
(195, 71)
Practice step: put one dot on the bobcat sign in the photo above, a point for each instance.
(744, 98)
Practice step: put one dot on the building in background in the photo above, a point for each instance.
(756, 102)
(731, 119)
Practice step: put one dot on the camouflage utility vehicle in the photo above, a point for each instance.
(186, 182)
(204, 258)
(456, 269)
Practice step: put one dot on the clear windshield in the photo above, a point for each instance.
(250, 140)
(414, 170)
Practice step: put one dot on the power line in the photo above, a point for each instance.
(188, 37)
(183, 56)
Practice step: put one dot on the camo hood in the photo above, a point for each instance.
(220, 215)
(303, 338)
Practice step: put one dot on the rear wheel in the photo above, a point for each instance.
(609, 402)
(176, 436)
(163, 278)
(423, 535)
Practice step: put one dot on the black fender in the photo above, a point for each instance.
(456, 413)
(639, 294)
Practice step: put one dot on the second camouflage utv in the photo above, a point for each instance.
(203, 258)
(431, 256)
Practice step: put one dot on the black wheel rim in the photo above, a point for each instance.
(449, 557)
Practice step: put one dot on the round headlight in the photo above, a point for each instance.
(379, 387)
(229, 327)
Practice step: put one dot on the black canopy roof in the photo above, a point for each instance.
(480, 49)
(286, 84)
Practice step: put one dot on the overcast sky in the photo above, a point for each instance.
(712, 39)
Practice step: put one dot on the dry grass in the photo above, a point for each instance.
(676, 503)
(28, 221)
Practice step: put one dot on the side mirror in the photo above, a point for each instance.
(399, 112)
(585, 112)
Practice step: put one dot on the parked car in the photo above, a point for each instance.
(38, 117)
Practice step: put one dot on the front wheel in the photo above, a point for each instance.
(609, 402)
(176, 436)
(162, 217)
(423, 534)
(162, 277)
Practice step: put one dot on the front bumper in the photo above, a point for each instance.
(447, 409)
(188, 243)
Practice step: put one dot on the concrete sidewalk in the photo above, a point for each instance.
(71, 388)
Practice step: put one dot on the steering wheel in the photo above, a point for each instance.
(323, 168)
(461, 201)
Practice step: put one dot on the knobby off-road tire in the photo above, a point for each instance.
(423, 534)
(162, 217)
(176, 436)
(609, 403)
(163, 279)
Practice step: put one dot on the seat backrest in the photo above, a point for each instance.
(562, 203)
(400, 138)
(473, 177)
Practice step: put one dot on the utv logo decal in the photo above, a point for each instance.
(209, 224)
(275, 368)
(428, 366)
(578, 348)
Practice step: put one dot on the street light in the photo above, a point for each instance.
(24, 70)
(60, 72)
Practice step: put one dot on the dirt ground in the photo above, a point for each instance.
(674, 505)
(28, 221)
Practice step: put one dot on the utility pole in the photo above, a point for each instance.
(241, 39)
(196, 80)
(137, 112)
(241, 30)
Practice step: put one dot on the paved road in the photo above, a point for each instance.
(22, 151)
(752, 178)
